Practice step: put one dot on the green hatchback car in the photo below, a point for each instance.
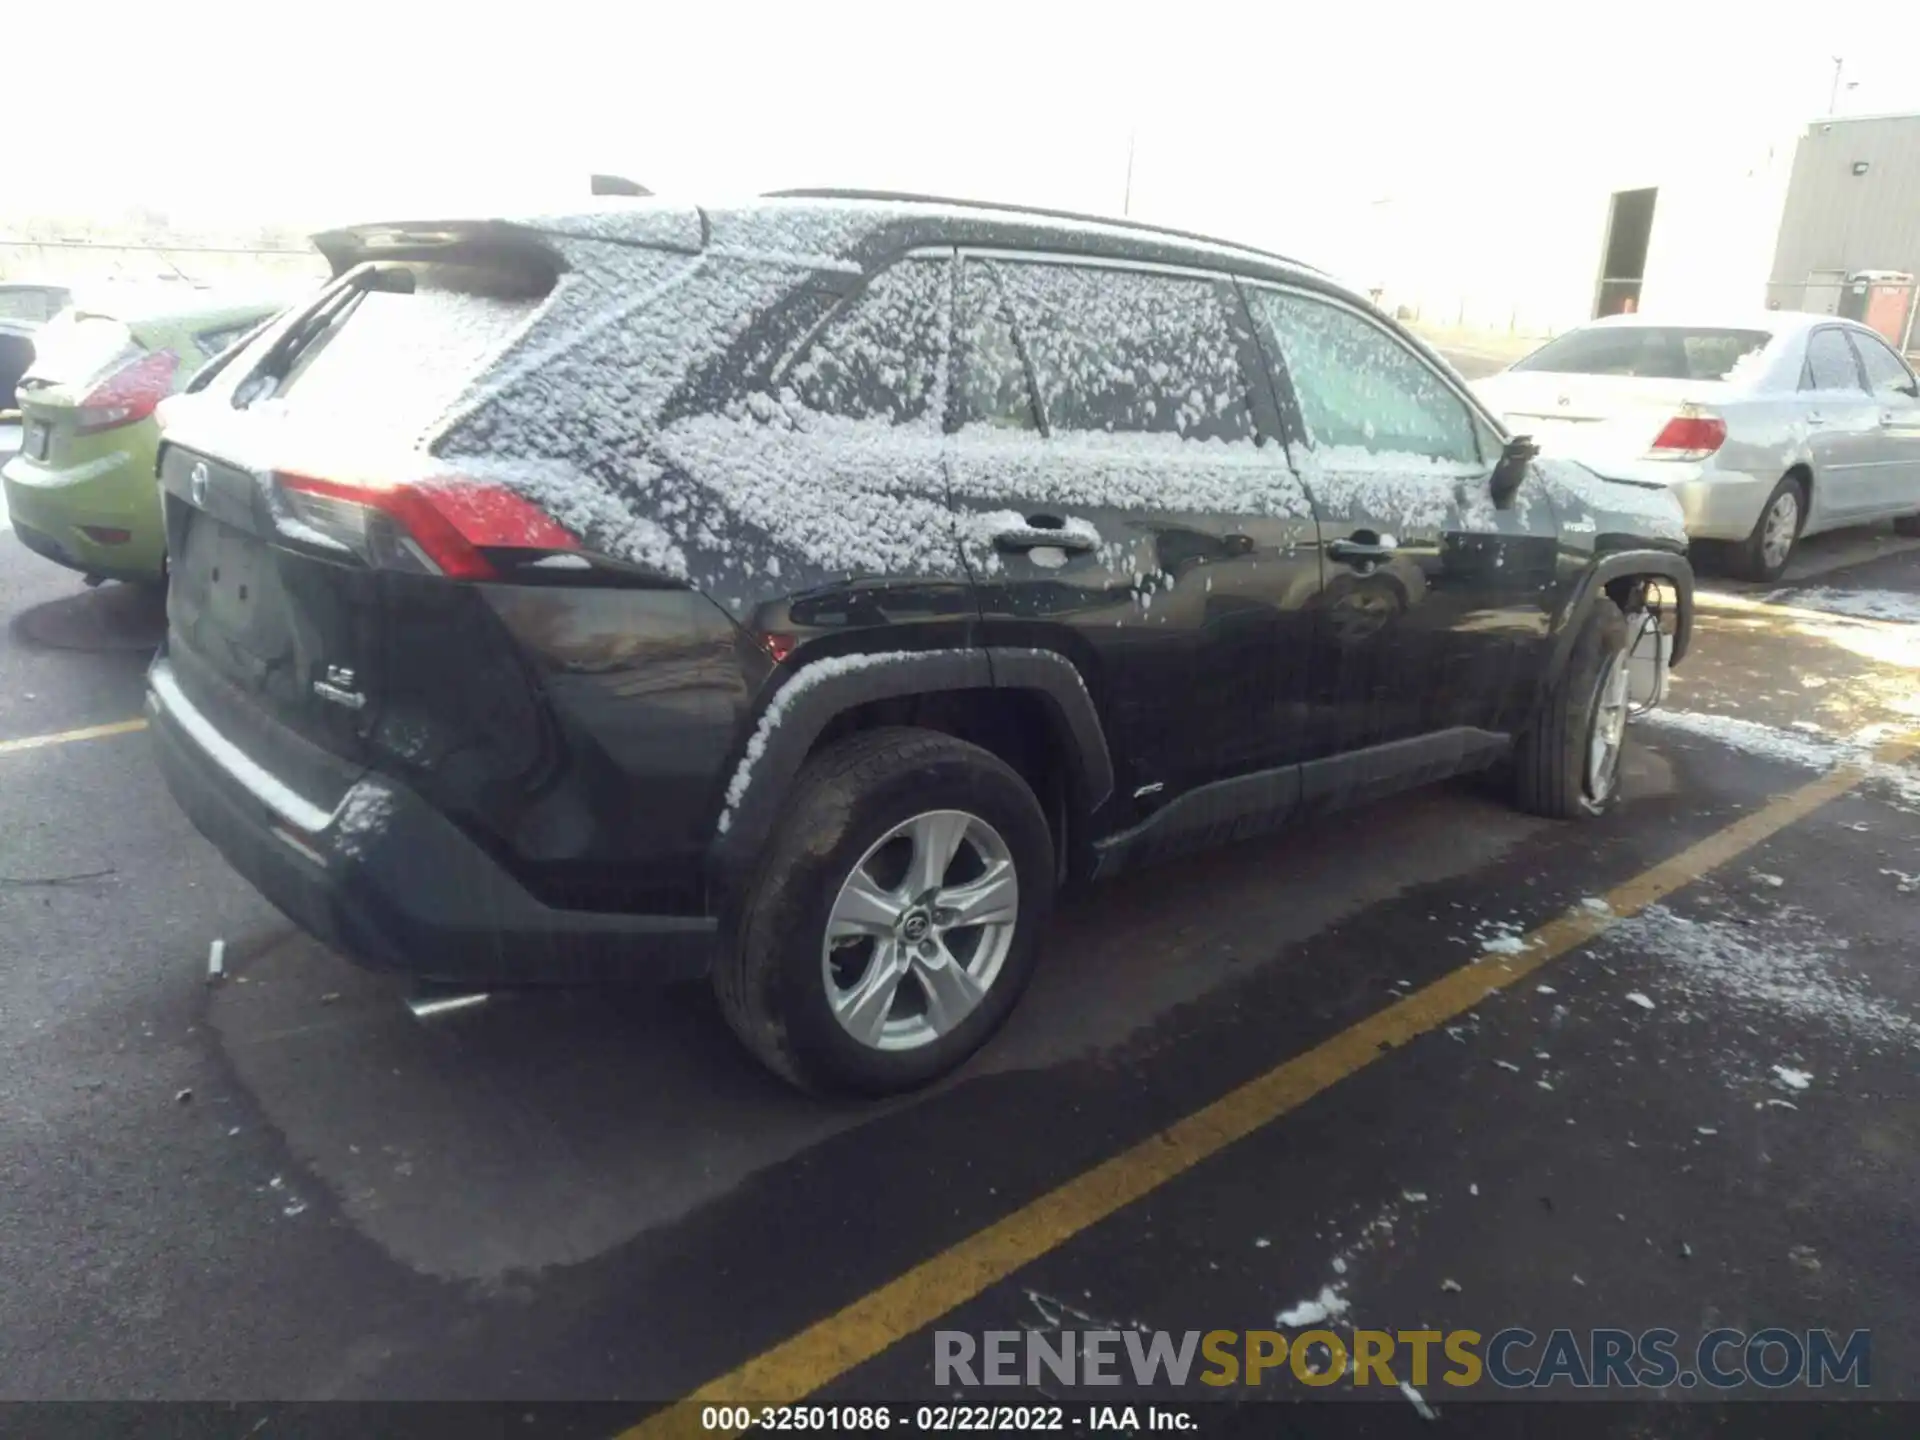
(81, 491)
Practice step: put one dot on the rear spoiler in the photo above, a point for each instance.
(627, 222)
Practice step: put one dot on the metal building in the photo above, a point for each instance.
(1852, 210)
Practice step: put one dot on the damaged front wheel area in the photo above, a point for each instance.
(1567, 764)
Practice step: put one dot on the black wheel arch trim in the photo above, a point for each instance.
(1615, 565)
(746, 823)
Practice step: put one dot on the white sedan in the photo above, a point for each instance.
(1766, 428)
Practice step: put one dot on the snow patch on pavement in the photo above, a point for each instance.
(1787, 747)
(1420, 1405)
(1329, 1304)
(1767, 968)
(1500, 937)
(1860, 604)
(1900, 784)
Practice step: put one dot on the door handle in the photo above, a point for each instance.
(1360, 552)
(1041, 532)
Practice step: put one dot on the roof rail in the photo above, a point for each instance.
(1117, 222)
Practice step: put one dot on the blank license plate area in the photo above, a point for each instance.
(227, 581)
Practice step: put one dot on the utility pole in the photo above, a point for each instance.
(1126, 197)
(1833, 96)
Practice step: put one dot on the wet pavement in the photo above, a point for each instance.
(286, 1186)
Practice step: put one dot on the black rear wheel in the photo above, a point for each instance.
(896, 915)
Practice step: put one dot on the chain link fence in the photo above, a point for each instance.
(85, 262)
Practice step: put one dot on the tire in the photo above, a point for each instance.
(1908, 525)
(1752, 558)
(777, 979)
(1552, 773)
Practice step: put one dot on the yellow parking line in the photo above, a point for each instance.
(829, 1348)
(67, 737)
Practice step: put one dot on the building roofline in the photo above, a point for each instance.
(1820, 120)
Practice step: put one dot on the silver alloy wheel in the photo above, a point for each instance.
(920, 930)
(1612, 699)
(1781, 525)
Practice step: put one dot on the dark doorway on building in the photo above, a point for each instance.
(1624, 264)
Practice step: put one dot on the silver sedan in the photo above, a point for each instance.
(1766, 428)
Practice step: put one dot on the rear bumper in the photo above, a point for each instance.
(392, 883)
(48, 510)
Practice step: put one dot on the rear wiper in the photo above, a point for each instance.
(279, 361)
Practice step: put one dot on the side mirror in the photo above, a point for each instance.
(1515, 457)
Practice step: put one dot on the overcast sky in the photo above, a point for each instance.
(1265, 124)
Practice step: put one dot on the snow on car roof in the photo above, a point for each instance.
(832, 226)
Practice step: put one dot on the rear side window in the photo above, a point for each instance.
(994, 389)
(1130, 352)
(1359, 387)
(1655, 352)
(1887, 374)
(1830, 363)
(878, 357)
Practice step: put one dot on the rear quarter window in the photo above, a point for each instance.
(878, 356)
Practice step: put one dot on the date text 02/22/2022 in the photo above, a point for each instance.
(944, 1419)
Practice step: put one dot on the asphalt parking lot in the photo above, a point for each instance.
(1433, 1064)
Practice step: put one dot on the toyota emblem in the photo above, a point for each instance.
(197, 481)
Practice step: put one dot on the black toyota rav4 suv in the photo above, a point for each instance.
(800, 592)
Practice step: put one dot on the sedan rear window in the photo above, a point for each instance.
(1652, 352)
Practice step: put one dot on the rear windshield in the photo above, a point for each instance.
(395, 362)
(1654, 352)
(30, 304)
(72, 348)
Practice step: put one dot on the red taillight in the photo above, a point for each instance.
(1690, 437)
(128, 395)
(435, 526)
